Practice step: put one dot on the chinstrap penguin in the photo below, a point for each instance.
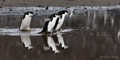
(25, 24)
(60, 21)
(50, 23)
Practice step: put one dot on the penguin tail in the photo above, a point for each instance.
(45, 28)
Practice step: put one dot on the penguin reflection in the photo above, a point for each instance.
(119, 33)
(61, 40)
(51, 43)
(25, 38)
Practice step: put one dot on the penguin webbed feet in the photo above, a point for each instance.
(57, 30)
(46, 33)
(22, 30)
(60, 29)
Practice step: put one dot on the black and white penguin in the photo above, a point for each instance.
(60, 21)
(25, 24)
(50, 23)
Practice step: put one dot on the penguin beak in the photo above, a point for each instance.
(69, 15)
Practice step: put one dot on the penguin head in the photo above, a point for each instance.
(29, 14)
(57, 16)
(64, 12)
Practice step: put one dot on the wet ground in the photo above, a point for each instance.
(88, 35)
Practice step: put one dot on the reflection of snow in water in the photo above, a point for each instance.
(119, 33)
(112, 21)
(94, 18)
(88, 20)
(105, 16)
(16, 32)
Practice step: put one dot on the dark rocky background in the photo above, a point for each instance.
(39, 3)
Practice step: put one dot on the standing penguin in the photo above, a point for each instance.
(25, 24)
(50, 23)
(60, 21)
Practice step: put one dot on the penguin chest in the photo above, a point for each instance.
(52, 23)
(60, 23)
(26, 22)
(25, 25)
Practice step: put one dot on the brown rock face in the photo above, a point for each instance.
(58, 2)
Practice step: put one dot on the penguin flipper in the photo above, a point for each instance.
(56, 23)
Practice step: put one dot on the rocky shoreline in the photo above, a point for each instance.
(39, 3)
(50, 10)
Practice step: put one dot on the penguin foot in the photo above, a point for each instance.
(65, 47)
(30, 47)
(22, 30)
(55, 31)
(31, 30)
(26, 30)
(56, 51)
(60, 29)
(48, 33)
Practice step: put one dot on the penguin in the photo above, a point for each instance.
(50, 23)
(25, 24)
(60, 21)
